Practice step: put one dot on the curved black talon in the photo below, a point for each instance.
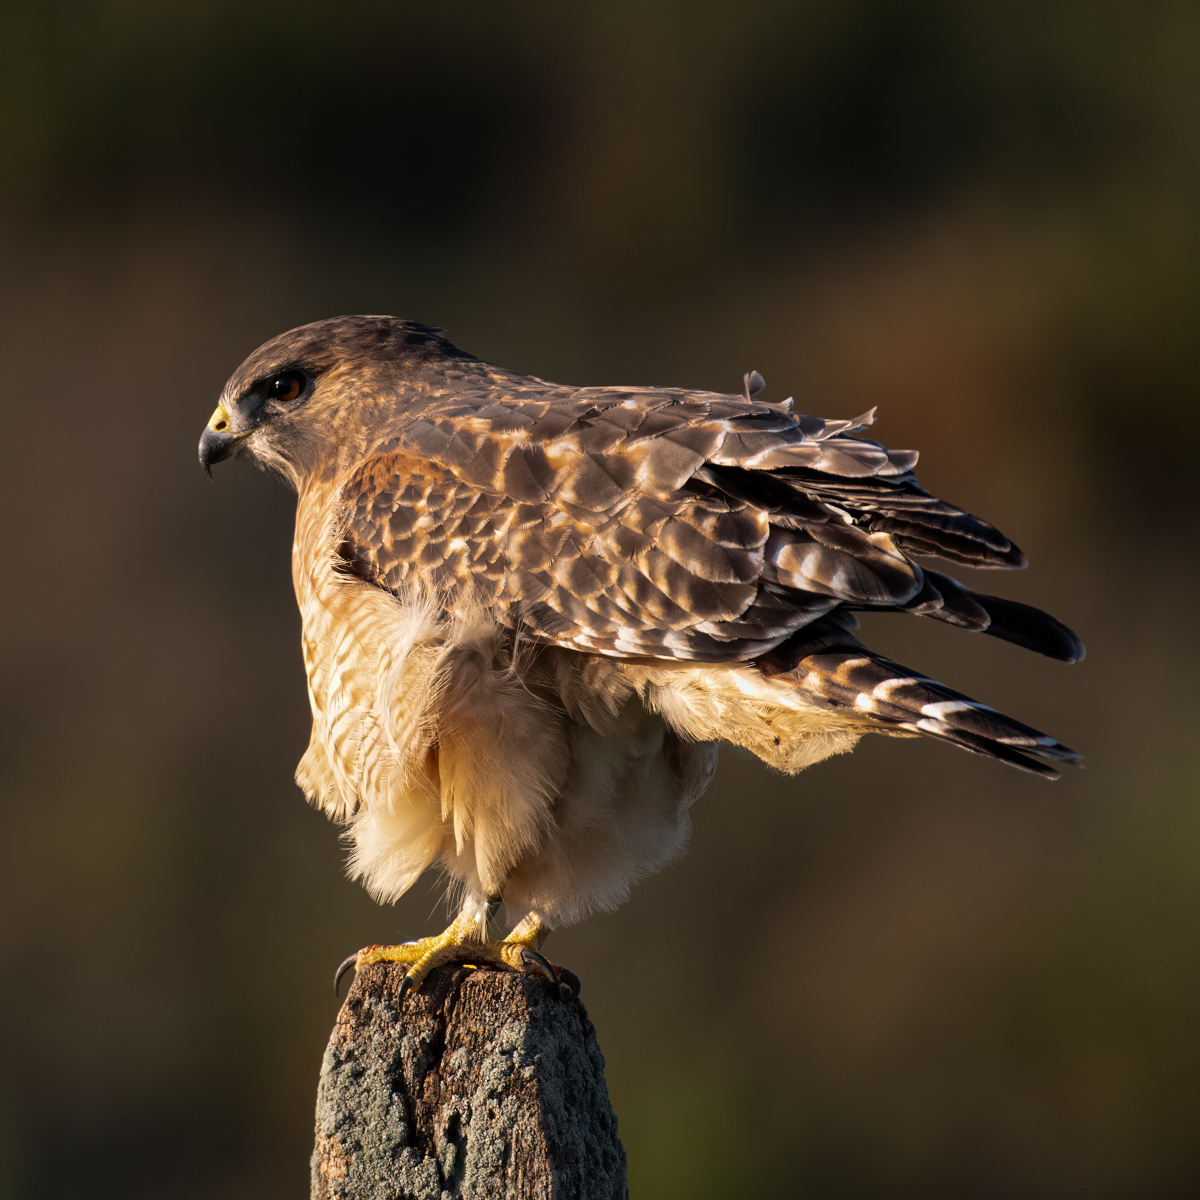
(540, 965)
(569, 980)
(405, 985)
(346, 965)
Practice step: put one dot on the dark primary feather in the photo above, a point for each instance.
(945, 599)
(664, 523)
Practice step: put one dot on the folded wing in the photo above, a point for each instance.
(669, 524)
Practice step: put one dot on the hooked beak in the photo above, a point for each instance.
(218, 439)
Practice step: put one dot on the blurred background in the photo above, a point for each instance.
(908, 972)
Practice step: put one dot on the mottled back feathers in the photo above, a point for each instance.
(661, 523)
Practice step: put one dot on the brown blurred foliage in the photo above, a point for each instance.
(907, 972)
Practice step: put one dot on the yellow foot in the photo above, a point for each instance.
(462, 943)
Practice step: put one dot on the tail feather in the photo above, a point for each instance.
(879, 691)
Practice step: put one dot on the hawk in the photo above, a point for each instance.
(531, 612)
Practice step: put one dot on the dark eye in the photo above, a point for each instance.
(286, 387)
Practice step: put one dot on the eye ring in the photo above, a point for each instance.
(287, 386)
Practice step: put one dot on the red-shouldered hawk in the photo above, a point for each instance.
(531, 612)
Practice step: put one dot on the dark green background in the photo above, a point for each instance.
(906, 973)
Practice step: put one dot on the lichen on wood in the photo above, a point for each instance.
(482, 1084)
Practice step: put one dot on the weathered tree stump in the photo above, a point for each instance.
(483, 1084)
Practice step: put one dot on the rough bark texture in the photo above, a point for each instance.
(483, 1084)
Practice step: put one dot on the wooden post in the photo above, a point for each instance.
(483, 1084)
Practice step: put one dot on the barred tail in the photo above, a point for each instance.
(853, 679)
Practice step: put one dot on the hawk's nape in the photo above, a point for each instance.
(531, 611)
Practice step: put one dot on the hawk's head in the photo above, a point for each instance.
(304, 400)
